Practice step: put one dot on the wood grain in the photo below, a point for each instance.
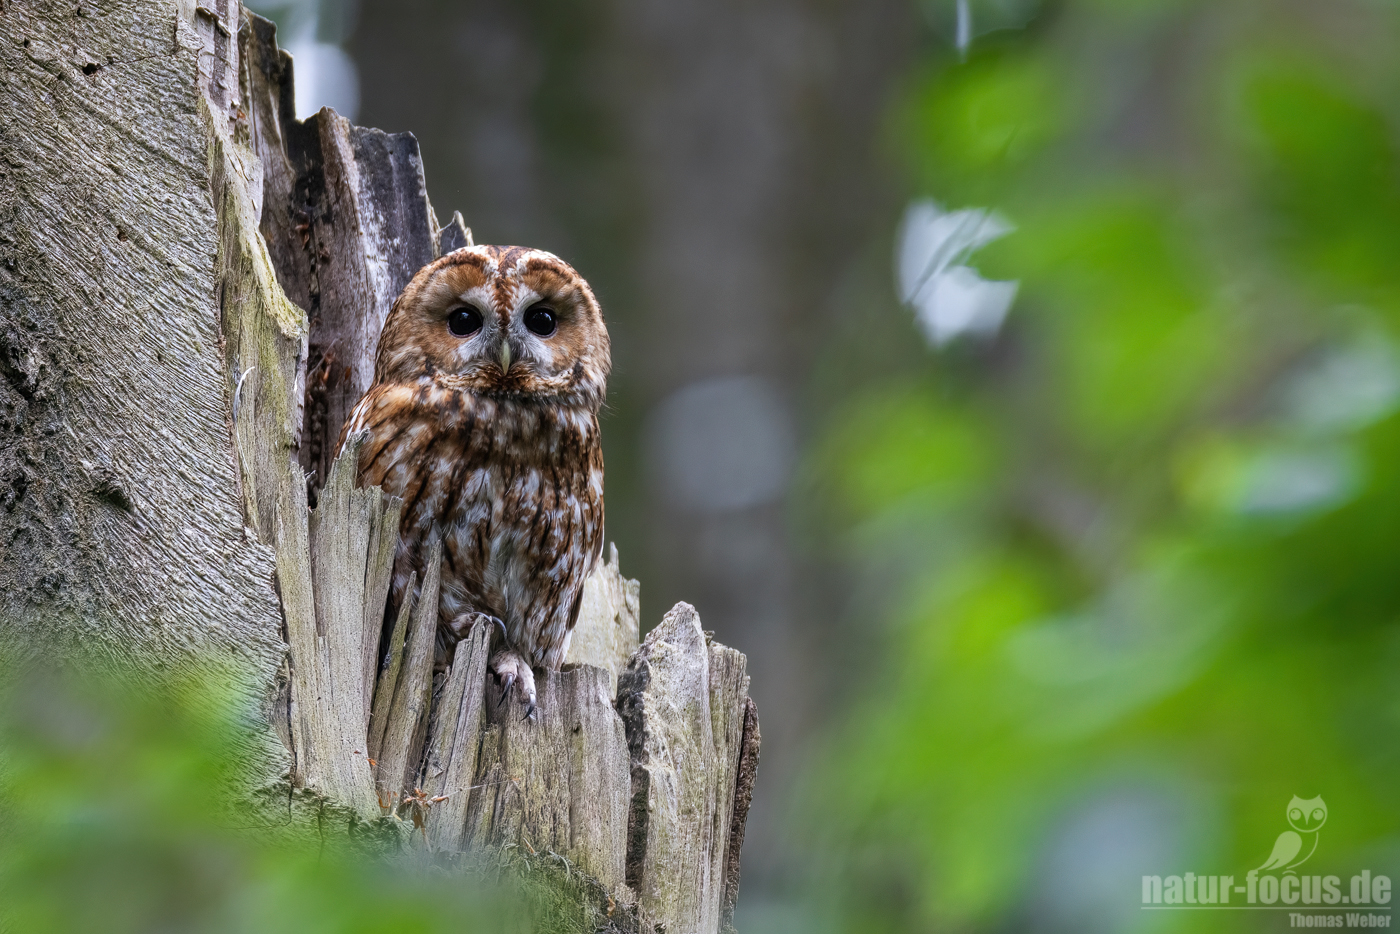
(683, 701)
(454, 739)
(605, 635)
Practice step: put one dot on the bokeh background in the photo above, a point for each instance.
(1015, 382)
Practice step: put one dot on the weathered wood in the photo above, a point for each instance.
(413, 694)
(743, 797)
(347, 564)
(454, 236)
(379, 573)
(558, 784)
(389, 676)
(605, 635)
(265, 342)
(683, 701)
(299, 611)
(449, 766)
(346, 218)
(122, 525)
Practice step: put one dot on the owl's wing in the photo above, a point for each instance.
(360, 415)
(1285, 848)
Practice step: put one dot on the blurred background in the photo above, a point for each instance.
(1015, 382)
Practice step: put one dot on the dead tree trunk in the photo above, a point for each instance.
(191, 286)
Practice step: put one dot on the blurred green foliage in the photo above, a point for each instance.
(126, 811)
(1139, 554)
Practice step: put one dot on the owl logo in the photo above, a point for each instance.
(1306, 818)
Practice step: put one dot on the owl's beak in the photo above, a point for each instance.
(505, 357)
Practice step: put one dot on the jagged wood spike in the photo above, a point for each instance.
(389, 679)
(449, 765)
(340, 530)
(683, 702)
(379, 573)
(408, 715)
(746, 773)
(454, 236)
(299, 612)
(609, 619)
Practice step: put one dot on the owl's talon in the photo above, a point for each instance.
(529, 714)
(498, 622)
(514, 671)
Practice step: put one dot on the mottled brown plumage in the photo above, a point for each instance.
(491, 439)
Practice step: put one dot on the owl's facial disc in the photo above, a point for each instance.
(499, 321)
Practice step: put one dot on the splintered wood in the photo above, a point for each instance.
(449, 768)
(333, 649)
(558, 784)
(644, 788)
(684, 700)
(636, 773)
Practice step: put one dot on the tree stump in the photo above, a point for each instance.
(192, 284)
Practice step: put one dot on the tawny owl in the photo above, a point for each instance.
(483, 416)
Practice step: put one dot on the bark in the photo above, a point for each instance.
(164, 404)
(122, 526)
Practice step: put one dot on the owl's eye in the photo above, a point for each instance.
(464, 321)
(540, 320)
(1317, 814)
(1296, 814)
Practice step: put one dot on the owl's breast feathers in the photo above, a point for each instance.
(513, 487)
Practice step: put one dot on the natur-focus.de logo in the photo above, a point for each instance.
(1279, 885)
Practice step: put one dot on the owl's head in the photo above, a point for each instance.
(499, 321)
(1308, 815)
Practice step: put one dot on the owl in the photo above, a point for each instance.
(483, 417)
